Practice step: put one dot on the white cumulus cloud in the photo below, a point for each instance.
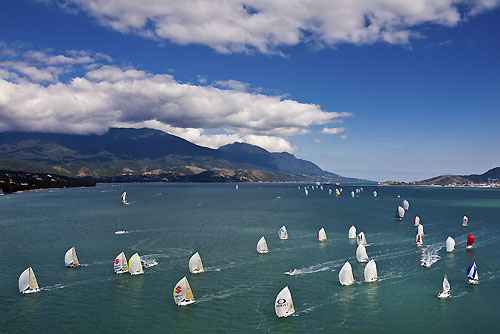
(266, 25)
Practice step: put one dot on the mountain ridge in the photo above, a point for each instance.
(125, 151)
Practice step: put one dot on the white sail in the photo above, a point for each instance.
(262, 246)
(195, 264)
(420, 229)
(352, 193)
(322, 235)
(465, 221)
(345, 274)
(124, 198)
(361, 254)
(283, 234)
(182, 293)
(337, 192)
(24, 280)
(283, 306)
(236, 187)
(135, 265)
(306, 192)
(120, 265)
(27, 282)
(371, 272)
(446, 285)
(416, 222)
(406, 205)
(70, 258)
(400, 213)
(450, 244)
(374, 193)
(352, 232)
(329, 191)
(361, 239)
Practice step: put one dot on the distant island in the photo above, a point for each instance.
(146, 155)
(489, 179)
(16, 181)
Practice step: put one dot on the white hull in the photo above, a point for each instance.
(121, 272)
(121, 232)
(31, 291)
(347, 284)
(464, 225)
(399, 219)
(363, 260)
(473, 281)
(263, 252)
(372, 280)
(469, 247)
(443, 295)
(139, 273)
(74, 266)
(291, 273)
(186, 302)
(196, 271)
(287, 314)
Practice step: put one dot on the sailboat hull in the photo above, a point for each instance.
(31, 291)
(74, 266)
(137, 273)
(196, 271)
(121, 272)
(121, 232)
(443, 295)
(186, 302)
(473, 281)
(287, 314)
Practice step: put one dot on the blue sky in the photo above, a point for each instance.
(375, 90)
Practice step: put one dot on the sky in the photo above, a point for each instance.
(380, 89)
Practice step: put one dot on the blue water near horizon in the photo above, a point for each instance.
(169, 222)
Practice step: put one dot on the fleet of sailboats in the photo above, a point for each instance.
(70, 259)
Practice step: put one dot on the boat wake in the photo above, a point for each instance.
(221, 294)
(53, 287)
(430, 255)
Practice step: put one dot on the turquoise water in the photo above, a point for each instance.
(169, 222)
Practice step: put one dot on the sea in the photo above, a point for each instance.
(168, 223)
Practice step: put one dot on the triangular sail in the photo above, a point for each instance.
(420, 229)
(450, 244)
(283, 233)
(322, 234)
(283, 306)
(120, 263)
(68, 257)
(195, 264)
(361, 239)
(465, 221)
(135, 265)
(124, 197)
(180, 291)
(352, 232)
(189, 292)
(418, 239)
(472, 272)
(446, 285)
(33, 282)
(406, 205)
(416, 222)
(361, 254)
(75, 258)
(345, 274)
(400, 213)
(374, 193)
(262, 245)
(371, 271)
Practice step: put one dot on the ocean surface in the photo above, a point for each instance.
(167, 223)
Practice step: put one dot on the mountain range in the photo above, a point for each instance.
(491, 177)
(132, 154)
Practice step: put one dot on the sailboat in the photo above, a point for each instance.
(1, 192)
(70, 259)
(446, 289)
(329, 191)
(283, 305)
(118, 231)
(182, 293)
(352, 232)
(352, 194)
(337, 192)
(419, 240)
(400, 213)
(371, 272)
(283, 234)
(361, 239)
(472, 274)
(450, 244)
(345, 274)
(195, 265)
(420, 229)
(120, 264)
(416, 222)
(374, 193)
(306, 192)
(322, 235)
(406, 205)
(470, 241)
(291, 272)
(465, 221)
(135, 265)
(262, 246)
(361, 254)
(27, 282)
(124, 198)
(236, 187)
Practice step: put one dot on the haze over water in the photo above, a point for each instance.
(236, 294)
